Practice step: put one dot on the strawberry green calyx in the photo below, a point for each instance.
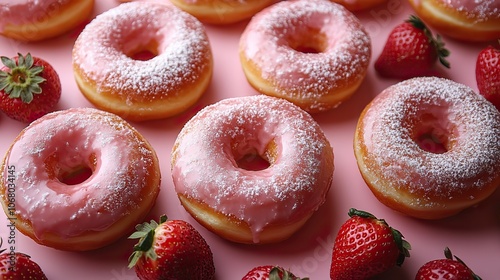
(404, 246)
(145, 233)
(449, 255)
(275, 272)
(23, 79)
(437, 42)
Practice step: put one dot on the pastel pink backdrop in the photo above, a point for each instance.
(473, 235)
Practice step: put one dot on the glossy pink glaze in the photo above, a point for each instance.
(72, 139)
(25, 11)
(291, 188)
(268, 42)
(103, 49)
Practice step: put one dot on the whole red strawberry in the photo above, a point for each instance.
(411, 51)
(488, 74)
(19, 266)
(448, 268)
(29, 87)
(171, 249)
(270, 272)
(366, 246)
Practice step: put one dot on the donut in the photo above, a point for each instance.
(30, 20)
(261, 167)
(78, 179)
(222, 11)
(428, 147)
(143, 61)
(467, 20)
(313, 53)
(358, 5)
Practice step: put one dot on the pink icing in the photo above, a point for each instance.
(293, 186)
(468, 124)
(101, 51)
(267, 38)
(74, 137)
(25, 11)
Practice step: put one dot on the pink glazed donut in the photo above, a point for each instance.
(429, 147)
(314, 53)
(468, 20)
(31, 20)
(143, 61)
(220, 182)
(78, 179)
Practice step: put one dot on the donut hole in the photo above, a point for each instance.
(252, 161)
(247, 157)
(431, 133)
(76, 175)
(309, 40)
(143, 52)
(70, 170)
(432, 141)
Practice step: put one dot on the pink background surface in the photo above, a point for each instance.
(473, 235)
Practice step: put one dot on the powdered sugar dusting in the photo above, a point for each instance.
(481, 10)
(204, 165)
(101, 50)
(266, 43)
(472, 123)
(66, 140)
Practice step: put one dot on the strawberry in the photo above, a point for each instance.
(488, 74)
(29, 87)
(171, 249)
(366, 246)
(19, 266)
(448, 268)
(411, 51)
(270, 272)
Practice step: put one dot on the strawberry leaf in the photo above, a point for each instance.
(450, 256)
(10, 63)
(146, 235)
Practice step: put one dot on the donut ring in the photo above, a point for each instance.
(468, 20)
(428, 147)
(222, 11)
(314, 53)
(78, 179)
(111, 78)
(31, 21)
(245, 205)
